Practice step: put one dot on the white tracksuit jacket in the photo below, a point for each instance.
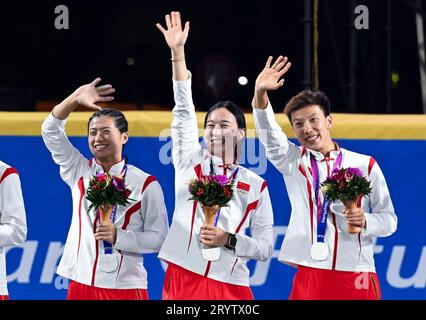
(250, 207)
(141, 225)
(347, 252)
(13, 224)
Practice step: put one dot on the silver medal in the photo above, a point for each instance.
(319, 251)
(108, 262)
(211, 254)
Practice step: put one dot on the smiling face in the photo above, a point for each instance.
(312, 128)
(105, 140)
(222, 134)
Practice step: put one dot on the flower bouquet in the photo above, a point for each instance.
(105, 191)
(346, 185)
(213, 192)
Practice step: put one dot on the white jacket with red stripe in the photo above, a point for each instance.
(347, 252)
(141, 225)
(250, 208)
(13, 223)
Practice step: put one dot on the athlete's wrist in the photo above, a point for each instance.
(232, 241)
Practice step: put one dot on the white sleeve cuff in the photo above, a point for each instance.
(263, 112)
(121, 240)
(56, 121)
(371, 225)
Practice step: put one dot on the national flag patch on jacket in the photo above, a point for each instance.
(243, 186)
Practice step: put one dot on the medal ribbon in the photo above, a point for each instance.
(233, 177)
(322, 210)
(107, 245)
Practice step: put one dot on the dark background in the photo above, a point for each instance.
(227, 39)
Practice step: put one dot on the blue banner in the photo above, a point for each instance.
(400, 259)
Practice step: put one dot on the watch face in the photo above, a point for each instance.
(232, 240)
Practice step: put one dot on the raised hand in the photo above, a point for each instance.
(89, 94)
(270, 77)
(174, 35)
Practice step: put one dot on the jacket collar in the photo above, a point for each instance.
(219, 165)
(332, 155)
(115, 170)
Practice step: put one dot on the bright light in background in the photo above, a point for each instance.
(130, 61)
(242, 80)
(395, 78)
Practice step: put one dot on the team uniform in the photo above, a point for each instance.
(141, 225)
(13, 224)
(188, 275)
(348, 272)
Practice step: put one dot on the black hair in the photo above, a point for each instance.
(231, 107)
(239, 116)
(307, 98)
(120, 121)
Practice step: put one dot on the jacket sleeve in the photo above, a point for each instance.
(184, 125)
(279, 150)
(260, 245)
(154, 228)
(382, 220)
(69, 159)
(13, 224)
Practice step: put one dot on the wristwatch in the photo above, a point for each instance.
(232, 242)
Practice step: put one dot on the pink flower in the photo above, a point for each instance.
(354, 172)
(101, 177)
(118, 184)
(335, 172)
(222, 180)
(338, 175)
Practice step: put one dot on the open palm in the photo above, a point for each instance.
(174, 35)
(89, 94)
(270, 77)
